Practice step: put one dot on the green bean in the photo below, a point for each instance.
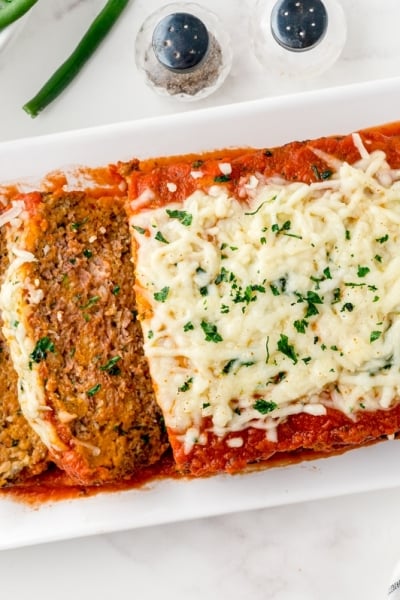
(74, 63)
(11, 10)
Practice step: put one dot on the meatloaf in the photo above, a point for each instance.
(22, 454)
(268, 285)
(70, 319)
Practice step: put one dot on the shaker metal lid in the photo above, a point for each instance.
(299, 25)
(180, 42)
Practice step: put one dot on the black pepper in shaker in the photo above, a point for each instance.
(183, 52)
(298, 38)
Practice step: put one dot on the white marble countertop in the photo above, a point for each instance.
(338, 548)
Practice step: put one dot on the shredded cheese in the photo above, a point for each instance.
(284, 305)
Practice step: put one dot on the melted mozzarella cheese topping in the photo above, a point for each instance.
(285, 304)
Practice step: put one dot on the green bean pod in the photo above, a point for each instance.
(12, 10)
(74, 63)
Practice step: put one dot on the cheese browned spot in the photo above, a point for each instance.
(77, 348)
(281, 304)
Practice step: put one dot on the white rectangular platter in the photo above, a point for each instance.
(262, 123)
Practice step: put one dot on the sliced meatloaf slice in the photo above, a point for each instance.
(70, 319)
(22, 454)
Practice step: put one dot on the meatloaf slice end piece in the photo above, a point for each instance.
(70, 316)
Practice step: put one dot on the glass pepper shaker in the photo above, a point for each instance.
(183, 51)
(298, 38)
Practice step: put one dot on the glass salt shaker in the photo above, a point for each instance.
(298, 38)
(183, 51)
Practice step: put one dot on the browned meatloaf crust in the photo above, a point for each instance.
(22, 454)
(95, 407)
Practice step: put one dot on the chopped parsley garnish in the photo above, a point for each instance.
(286, 348)
(375, 335)
(347, 234)
(222, 178)
(321, 175)
(160, 238)
(183, 217)
(162, 295)
(211, 332)
(349, 306)
(229, 366)
(264, 406)
(139, 229)
(204, 290)
(306, 360)
(336, 296)
(91, 302)
(222, 276)
(301, 326)
(43, 346)
(327, 273)
(285, 227)
(111, 367)
(187, 385)
(88, 253)
(378, 258)
(277, 378)
(150, 335)
(93, 390)
(362, 271)
(116, 290)
(206, 405)
(224, 309)
(267, 349)
(383, 239)
(197, 163)
(188, 326)
(279, 286)
(249, 214)
(78, 224)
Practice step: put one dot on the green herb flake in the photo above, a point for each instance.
(91, 302)
(362, 271)
(116, 290)
(87, 253)
(301, 325)
(183, 217)
(162, 295)
(160, 238)
(222, 178)
(93, 390)
(327, 273)
(111, 366)
(187, 385)
(250, 214)
(224, 309)
(43, 346)
(78, 224)
(264, 406)
(383, 239)
(203, 290)
(362, 405)
(150, 334)
(211, 332)
(188, 326)
(378, 258)
(197, 164)
(286, 348)
(306, 360)
(227, 368)
(347, 234)
(321, 175)
(206, 405)
(139, 229)
(336, 296)
(349, 306)
(375, 335)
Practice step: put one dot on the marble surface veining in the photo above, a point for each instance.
(342, 548)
